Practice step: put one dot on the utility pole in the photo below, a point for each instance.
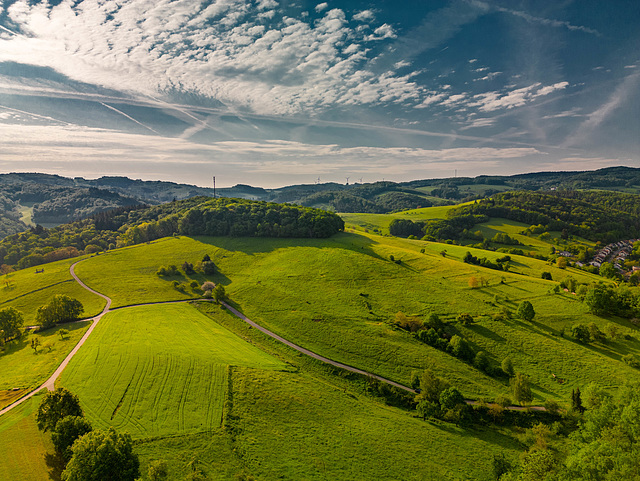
(214, 186)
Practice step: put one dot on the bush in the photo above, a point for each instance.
(168, 271)
(631, 360)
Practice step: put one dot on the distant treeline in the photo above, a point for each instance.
(597, 216)
(195, 216)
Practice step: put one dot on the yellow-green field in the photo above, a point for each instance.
(158, 370)
(26, 291)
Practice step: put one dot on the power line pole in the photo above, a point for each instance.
(214, 186)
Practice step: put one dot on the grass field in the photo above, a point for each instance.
(23, 448)
(25, 370)
(339, 296)
(380, 222)
(26, 291)
(339, 435)
(158, 370)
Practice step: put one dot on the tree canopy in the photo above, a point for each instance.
(56, 405)
(101, 455)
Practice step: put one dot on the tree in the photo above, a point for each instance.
(61, 308)
(430, 387)
(576, 401)
(525, 311)
(581, 333)
(11, 322)
(187, 267)
(461, 349)
(55, 406)
(62, 333)
(507, 366)
(450, 398)
(219, 293)
(521, 388)
(599, 299)
(101, 455)
(481, 361)
(35, 344)
(158, 471)
(67, 430)
(547, 276)
(608, 270)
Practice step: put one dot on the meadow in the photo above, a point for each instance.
(158, 370)
(23, 369)
(339, 297)
(27, 290)
(23, 448)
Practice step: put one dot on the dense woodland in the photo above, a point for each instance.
(195, 216)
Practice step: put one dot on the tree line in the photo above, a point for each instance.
(195, 216)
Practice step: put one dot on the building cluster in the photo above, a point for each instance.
(617, 252)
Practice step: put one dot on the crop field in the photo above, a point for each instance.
(158, 370)
(26, 291)
(23, 448)
(343, 436)
(23, 369)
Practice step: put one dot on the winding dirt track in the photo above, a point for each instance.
(50, 383)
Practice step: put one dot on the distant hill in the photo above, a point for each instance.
(55, 200)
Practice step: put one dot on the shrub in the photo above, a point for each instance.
(631, 360)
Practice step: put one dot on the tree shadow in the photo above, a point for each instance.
(485, 332)
(56, 464)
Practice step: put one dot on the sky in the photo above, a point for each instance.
(277, 92)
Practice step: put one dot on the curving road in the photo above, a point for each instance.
(50, 383)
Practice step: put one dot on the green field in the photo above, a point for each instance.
(23, 370)
(158, 370)
(338, 435)
(380, 222)
(338, 297)
(26, 291)
(23, 448)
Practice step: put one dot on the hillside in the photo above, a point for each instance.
(51, 200)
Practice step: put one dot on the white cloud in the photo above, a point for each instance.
(473, 60)
(482, 122)
(490, 101)
(70, 150)
(382, 32)
(364, 16)
(322, 6)
(228, 50)
(401, 64)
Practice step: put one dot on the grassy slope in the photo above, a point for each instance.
(22, 447)
(26, 290)
(158, 370)
(337, 296)
(342, 436)
(22, 368)
(382, 221)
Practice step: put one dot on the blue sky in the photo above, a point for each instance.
(275, 92)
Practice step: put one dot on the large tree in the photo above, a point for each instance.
(11, 321)
(525, 311)
(521, 388)
(61, 308)
(101, 455)
(55, 406)
(67, 430)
